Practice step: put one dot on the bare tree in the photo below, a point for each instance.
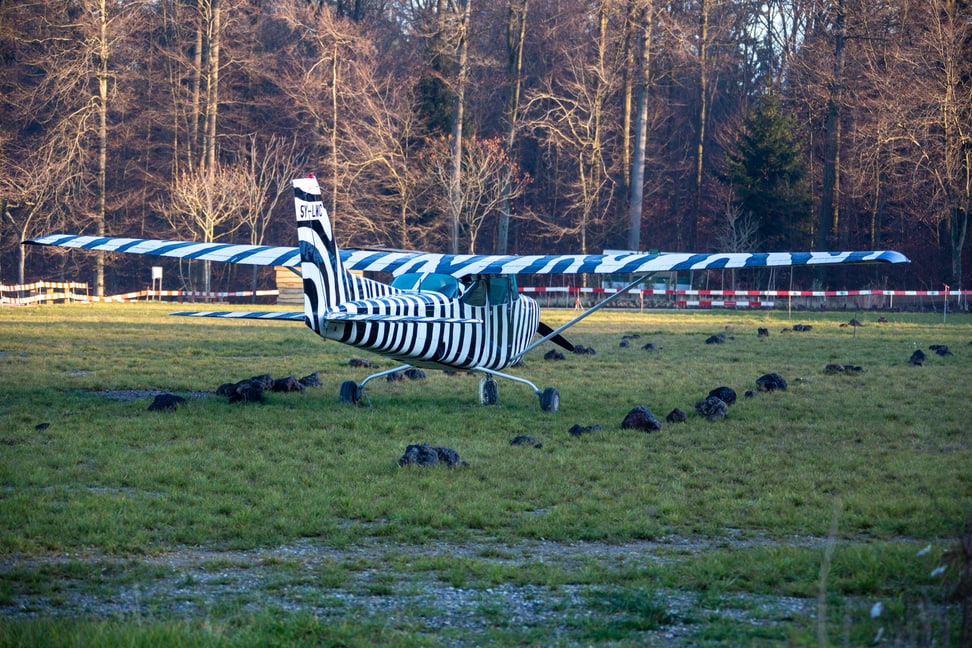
(912, 134)
(704, 54)
(29, 187)
(778, 27)
(464, 10)
(202, 73)
(936, 117)
(384, 177)
(572, 114)
(76, 48)
(267, 167)
(206, 204)
(740, 232)
(489, 177)
(363, 117)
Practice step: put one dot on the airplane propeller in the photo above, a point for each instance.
(545, 330)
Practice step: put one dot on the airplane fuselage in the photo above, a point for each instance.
(487, 336)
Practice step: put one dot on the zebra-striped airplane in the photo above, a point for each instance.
(440, 311)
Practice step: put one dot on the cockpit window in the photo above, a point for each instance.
(440, 283)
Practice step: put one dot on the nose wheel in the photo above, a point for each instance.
(488, 391)
(350, 392)
(550, 399)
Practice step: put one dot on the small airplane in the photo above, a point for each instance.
(440, 311)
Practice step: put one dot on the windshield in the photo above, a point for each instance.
(440, 283)
(492, 290)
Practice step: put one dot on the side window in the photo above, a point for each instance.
(512, 292)
(475, 294)
(499, 290)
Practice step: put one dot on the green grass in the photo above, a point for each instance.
(725, 511)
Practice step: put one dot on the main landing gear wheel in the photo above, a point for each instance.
(350, 393)
(488, 391)
(550, 400)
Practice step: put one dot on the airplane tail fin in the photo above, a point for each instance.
(325, 280)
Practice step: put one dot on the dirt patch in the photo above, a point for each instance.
(139, 394)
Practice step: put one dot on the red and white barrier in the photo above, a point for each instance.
(751, 293)
(764, 298)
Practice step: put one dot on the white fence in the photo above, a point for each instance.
(49, 292)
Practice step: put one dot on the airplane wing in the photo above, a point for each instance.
(624, 263)
(264, 255)
(398, 263)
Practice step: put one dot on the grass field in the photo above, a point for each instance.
(831, 513)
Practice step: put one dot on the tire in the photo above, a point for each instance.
(488, 391)
(350, 393)
(550, 400)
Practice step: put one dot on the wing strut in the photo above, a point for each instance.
(556, 332)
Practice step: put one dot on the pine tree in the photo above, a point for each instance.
(768, 176)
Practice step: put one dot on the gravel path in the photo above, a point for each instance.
(352, 582)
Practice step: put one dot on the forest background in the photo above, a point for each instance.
(508, 126)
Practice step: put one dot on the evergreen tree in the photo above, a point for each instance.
(768, 176)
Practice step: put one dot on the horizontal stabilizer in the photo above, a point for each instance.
(267, 315)
(370, 317)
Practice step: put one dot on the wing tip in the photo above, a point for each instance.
(892, 256)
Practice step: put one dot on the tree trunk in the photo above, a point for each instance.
(693, 230)
(195, 116)
(212, 89)
(102, 141)
(826, 216)
(515, 35)
(958, 226)
(627, 110)
(641, 135)
(591, 175)
(455, 179)
(334, 128)
(21, 234)
(212, 108)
